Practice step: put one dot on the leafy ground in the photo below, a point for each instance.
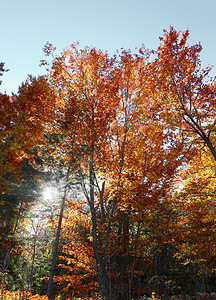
(21, 295)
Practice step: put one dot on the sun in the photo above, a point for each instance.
(50, 193)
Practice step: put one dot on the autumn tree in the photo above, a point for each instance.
(184, 100)
(79, 274)
(87, 89)
(21, 116)
(22, 124)
(2, 70)
(184, 94)
(134, 132)
(195, 227)
(118, 150)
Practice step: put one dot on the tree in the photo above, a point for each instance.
(134, 134)
(78, 262)
(22, 191)
(82, 80)
(2, 70)
(196, 223)
(112, 142)
(183, 93)
(55, 250)
(22, 125)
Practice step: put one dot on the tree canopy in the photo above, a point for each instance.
(129, 141)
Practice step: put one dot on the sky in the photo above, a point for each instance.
(27, 25)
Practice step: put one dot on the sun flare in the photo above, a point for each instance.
(50, 193)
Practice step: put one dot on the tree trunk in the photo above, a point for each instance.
(101, 278)
(134, 260)
(7, 256)
(55, 251)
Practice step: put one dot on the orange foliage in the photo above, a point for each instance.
(78, 254)
(118, 146)
(130, 129)
(23, 120)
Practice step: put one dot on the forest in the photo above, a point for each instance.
(107, 176)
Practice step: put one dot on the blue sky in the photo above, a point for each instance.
(26, 26)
